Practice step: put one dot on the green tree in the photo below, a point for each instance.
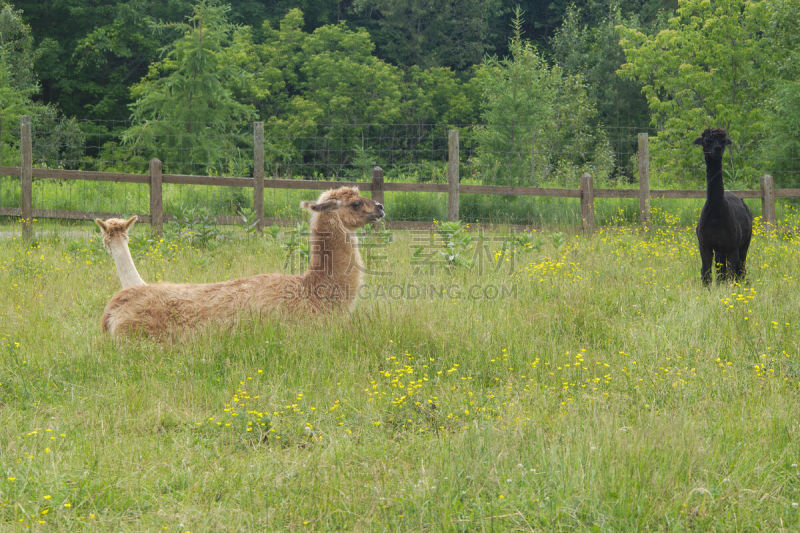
(538, 121)
(437, 96)
(15, 90)
(324, 95)
(184, 110)
(708, 68)
(594, 52)
(16, 45)
(17, 81)
(13, 104)
(329, 102)
(306, 84)
(89, 53)
(781, 150)
(344, 78)
(439, 33)
(316, 13)
(115, 54)
(58, 142)
(356, 94)
(272, 58)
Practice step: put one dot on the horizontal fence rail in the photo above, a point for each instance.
(453, 188)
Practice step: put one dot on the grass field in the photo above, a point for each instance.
(552, 381)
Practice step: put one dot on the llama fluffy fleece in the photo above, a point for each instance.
(331, 282)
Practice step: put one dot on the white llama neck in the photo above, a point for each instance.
(128, 275)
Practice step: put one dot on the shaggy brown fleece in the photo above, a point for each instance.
(331, 282)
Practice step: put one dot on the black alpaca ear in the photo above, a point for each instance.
(699, 141)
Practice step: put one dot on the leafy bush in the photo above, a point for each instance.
(296, 246)
(196, 225)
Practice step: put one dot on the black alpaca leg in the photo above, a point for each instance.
(721, 261)
(736, 266)
(706, 258)
(743, 258)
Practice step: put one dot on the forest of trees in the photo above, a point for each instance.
(542, 90)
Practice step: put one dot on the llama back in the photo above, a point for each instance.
(155, 308)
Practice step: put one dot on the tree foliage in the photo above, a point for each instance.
(707, 68)
(55, 140)
(439, 33)
(593, 51)
(185, 104)
(321, 93)
(335, 80)
(538, 120)
(88, 54)
(17, 80)
(781, 149)
(114, 55)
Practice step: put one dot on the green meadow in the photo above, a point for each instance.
(539, 381)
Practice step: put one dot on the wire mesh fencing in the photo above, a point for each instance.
(514, 154)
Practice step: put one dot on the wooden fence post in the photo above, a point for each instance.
(377, 184)
(258, 174)
(768, 199)
(587, 203)
(644, 179)
(156, 205)
(26, 177)
(452, 175)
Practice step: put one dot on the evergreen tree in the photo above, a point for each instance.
(439, 33)
(184, 110)
(593, 51)
(89, 53)
(537, 121)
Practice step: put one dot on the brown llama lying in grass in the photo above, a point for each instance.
(115, 240)
(331, 282)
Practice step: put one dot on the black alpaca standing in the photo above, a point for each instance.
(726, 224)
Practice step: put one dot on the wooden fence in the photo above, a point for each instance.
(377, 186)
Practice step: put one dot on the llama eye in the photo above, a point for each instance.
(355, 205)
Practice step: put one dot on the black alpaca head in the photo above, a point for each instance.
(713, 141)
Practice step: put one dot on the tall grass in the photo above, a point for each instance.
(561, 382)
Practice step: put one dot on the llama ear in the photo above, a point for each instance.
(327, 205)
(101, 224)
(130, 222)
(699, 141)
